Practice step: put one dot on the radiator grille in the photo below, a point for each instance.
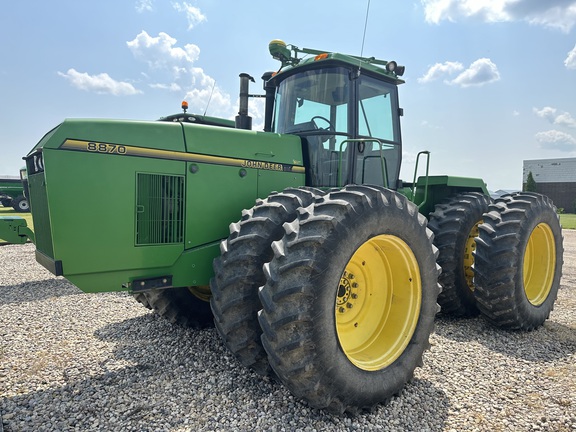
(159, 209)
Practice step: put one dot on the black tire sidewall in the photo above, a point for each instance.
(180, 306)
(465, 210)
(335, 254)
(238, 273)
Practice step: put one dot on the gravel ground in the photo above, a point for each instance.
(73, 361)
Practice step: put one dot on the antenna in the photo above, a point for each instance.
(365, 26)
(210, 98)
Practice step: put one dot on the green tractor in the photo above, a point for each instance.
(314, 261)
(13, 192)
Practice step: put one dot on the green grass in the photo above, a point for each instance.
(568, 221)
(9, 211)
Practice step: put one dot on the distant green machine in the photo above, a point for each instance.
(332, 283)
(12, 192)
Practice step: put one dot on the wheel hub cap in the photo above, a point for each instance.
(539, 264)
(378, 302)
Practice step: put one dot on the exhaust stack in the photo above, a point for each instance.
(243, 120)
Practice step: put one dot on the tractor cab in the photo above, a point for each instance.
(345, 109)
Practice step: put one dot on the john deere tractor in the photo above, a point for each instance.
(314, 261)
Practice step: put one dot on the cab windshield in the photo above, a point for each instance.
(319, 106)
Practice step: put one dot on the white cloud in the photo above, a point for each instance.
(556, 140)
(101, 83)
(489, 10)
(549, 113)
(161, 52)
(143, 5)
(173, 68)
(556, 14)
(164, 56)
(173, 87)
(481, 72)
(559, 14)
(565, 119)
(193, 14)
(570, 61)
(202, 99)
(440, 70)
(205, 95)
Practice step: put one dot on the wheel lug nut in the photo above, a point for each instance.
(349, 305)
(341, 310)
(354, 285)
(354, 296)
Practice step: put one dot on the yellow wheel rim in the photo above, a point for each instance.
(378, 302)
(539, 264)
(469, 257)
(202, 292)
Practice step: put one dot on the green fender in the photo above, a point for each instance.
(429, 191)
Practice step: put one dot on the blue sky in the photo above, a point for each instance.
(489, 83)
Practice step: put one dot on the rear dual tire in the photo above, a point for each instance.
(518, 261)
(455, 223)
(502, 258)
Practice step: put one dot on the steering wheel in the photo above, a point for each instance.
(330, 127)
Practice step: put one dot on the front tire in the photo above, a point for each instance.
(455, 224)
(238, 273)
(141, 298)
(350, 298)
(186, 306)
(519, 261)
